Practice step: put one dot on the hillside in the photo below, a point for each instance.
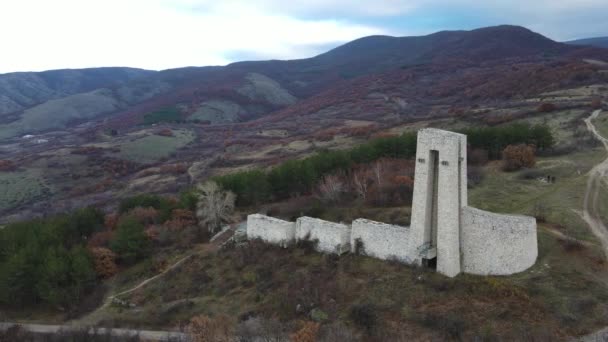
(112, 141)
(196, 92)
(598, 42)
(21, 90)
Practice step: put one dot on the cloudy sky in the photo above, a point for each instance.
(160, 34)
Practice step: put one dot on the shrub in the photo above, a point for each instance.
(130, 242)
(170, 114)
(364, 316)
(516, 157)
(104, 261)
(307, 333)
(546, 107)
(205, 329)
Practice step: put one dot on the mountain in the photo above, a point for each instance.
(246, 91)
(21, 90)
(598, 42)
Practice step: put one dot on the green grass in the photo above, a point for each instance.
(508, 193)
(170, 114)
(151, 148)
(601, 123)
(17, 188)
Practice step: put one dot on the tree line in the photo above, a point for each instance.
(296, 177)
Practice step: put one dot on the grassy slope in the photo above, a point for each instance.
(20, 187)
(564, 293)
(151, 148)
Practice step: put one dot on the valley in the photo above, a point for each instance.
(135, 143)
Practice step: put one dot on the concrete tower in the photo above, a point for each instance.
(440, 191)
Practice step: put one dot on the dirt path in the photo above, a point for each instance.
(596, 176)
(218, 240)
(145, 335)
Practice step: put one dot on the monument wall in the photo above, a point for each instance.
(496, 244)
(271, 230)
(332, 237)
(381, 240)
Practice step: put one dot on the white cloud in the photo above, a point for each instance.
(159, 34)
(151, 34)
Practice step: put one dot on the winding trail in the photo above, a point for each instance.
(598, 174)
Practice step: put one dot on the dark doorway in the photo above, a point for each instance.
(434, 195)
(430, 263)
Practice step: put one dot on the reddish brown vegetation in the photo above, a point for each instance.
(180, 219)
(110, 221)
(205, 329)
(516, 157)
(104, 261)
(546, 107)
(7, 166)
(100, 239)
(145, 216)
(307, 333)
(165, 132)
(596, 103)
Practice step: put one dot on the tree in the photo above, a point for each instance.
(214, 206)
(130, 241)
(330, 188)
(516, 157)
(361, 182)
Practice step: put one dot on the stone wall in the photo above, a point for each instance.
(495, 244)
(271, 230)
(332, 237)
(381, 240)
(440, 191)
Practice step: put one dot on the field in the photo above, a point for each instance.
(17, 188)
(151, 148)
(601, 123)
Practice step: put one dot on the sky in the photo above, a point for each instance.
(161, 34)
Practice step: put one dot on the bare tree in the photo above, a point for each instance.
(214, 205)
(378, 171)
(361, 182)
(330, 188)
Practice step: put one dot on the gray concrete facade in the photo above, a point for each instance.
(440, 187)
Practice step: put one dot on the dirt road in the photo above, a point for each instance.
(597, 175)
(145, 335)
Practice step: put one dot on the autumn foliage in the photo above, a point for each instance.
(519, 156)
(307, 333)
(206, 329)
(546, 107)
(104, 261)
(7, 165)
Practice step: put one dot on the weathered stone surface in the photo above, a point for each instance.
(332, 237)
(271, 230)
(440, 188)
(497, 244)
(461, 238)
(381, 240)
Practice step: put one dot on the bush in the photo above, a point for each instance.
(516, 157)
(162, 204)
(364, 316)
(130, 241)
(205, 329)
(171, 114)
